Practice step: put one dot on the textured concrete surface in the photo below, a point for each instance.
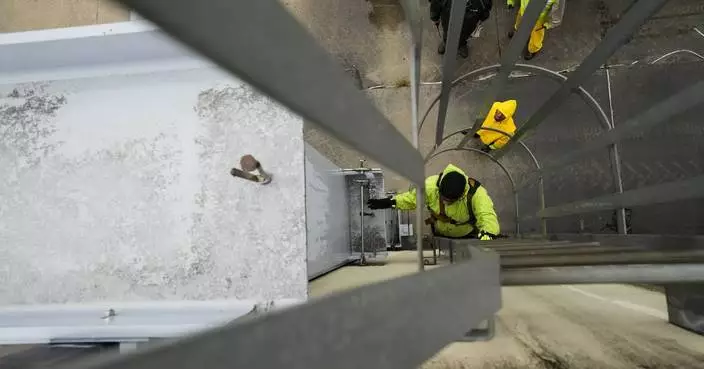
(588, 326)
(26, 15)
(118, 188)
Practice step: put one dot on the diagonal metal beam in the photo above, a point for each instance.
(283, 61)
(665, 111)
(448, 63)
(619, 34)
(393, 324)
(666, 192)
(508, 61)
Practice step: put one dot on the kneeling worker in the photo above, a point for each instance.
(459, 206)
(500, 118)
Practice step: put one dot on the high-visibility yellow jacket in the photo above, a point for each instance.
(494, 139)
(544, 17)
(462, 219)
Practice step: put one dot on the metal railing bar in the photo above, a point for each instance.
(642, 257)
(497, 244)
(638, 13)
(615, 159)
(663, 111)
(543, 246)
(449, 61)
(662, 193)
(508, 60)
(584, 250)
(541, 189)
(231, 34)
(649, 241)
(646, 274)
(388, 324)
(412, 11)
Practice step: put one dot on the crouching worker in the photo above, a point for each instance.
(459, 206)
(500, 118)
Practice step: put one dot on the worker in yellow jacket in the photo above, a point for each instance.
(537, 35)
(500, 118)
(459, 206)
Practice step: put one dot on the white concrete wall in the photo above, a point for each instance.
(118, 188)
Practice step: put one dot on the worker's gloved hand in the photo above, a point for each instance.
(484, 236)
(385, 203)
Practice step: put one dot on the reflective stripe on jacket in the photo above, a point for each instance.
(481, 207)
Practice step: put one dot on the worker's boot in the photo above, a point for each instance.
(463, 51)
(441, 48)
(527, 55)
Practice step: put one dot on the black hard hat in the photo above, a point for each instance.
(452, 185)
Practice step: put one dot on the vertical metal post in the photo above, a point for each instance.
(412, 10)
(615, 159)
(420, 200)
(518, 219)
(618, 179)
(363, 257)
(448, 63)
(541, 203)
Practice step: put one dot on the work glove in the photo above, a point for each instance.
(376, 204)
(484, 236)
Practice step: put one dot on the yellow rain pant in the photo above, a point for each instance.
(537, 35)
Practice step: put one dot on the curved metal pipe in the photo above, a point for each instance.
(677, 52)
(530, 153)
(586, 96)
(525, 147)
(455, 82)
(508, 174)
